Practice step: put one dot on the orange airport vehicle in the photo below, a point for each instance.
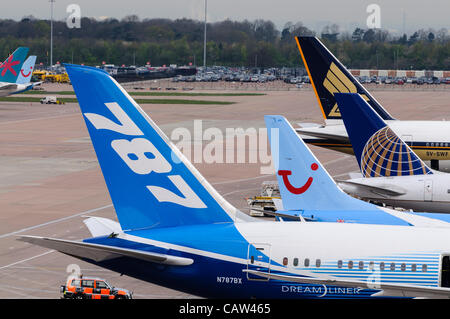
(93, 288)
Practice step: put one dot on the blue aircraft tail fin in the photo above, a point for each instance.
(304, 183)
(10, 68)
(26, 72)
(150, 182)
(378, 150)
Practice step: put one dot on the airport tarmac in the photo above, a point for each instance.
(50, 178)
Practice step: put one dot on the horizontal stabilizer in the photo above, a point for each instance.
(278, 203)
(8, 87)
(389, 190)
(354, 175)
(311, 132)
(309, 125)
(387, 290)
(99, 226)
(100, 253)
(293, 215)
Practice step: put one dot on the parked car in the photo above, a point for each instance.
(389, 80)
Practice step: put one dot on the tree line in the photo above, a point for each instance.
(231, 43)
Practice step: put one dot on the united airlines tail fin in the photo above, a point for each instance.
(150, 182)
(378, 150)
(26, 72)
(304, 183)
(328, 76)
(10, 69)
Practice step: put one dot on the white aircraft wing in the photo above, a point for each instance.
(390, 190)
(386, 290)
(36, 83)
(99, 252)
(8, 87)
(322, 134)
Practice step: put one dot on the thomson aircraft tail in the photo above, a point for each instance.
(304, 183)
(26, 72)
(151, 183)
(378, 150)
(11, 67)
(328, 76)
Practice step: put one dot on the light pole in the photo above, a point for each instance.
(204, 40)
(51, 32)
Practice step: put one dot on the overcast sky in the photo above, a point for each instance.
(314, 14)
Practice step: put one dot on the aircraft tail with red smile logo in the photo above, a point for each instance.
(26, 72)
(303, 181)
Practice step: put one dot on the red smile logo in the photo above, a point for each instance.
(29, 72)
(293, 189)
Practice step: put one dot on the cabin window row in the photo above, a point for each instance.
(359, 265)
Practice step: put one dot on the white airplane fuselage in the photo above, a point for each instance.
(424, 193)
(430, 140)
(373, 255)
(13, 88)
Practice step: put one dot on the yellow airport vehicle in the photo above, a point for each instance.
(47, 76)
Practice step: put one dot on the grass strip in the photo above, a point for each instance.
(140, 101)
(150, 93)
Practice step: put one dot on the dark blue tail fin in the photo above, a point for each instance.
(378, 150)
(328, 76)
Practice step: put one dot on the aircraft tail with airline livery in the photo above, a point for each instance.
(328, 76)
(132, 150)
(26, 72)
(378, 150)
(10, 68)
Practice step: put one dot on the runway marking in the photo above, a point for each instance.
(15, 292)
(39, 118)
(241, 180)
(28, 259)
(337, 160)
(240, 190)
(54, 221)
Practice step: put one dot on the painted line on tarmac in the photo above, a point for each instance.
(54, 221)
(28, 259)
(39, 118)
